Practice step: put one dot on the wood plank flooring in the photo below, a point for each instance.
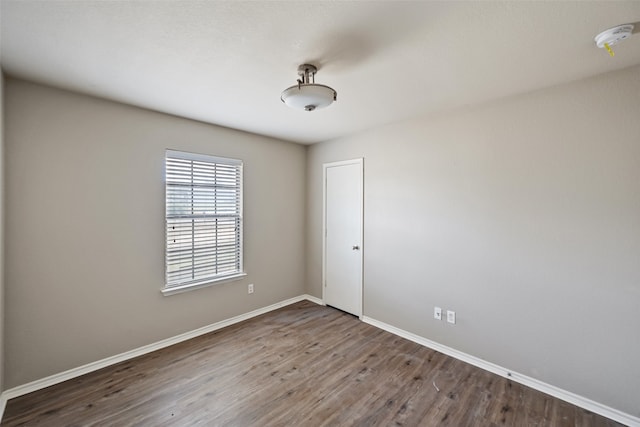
(302, 365)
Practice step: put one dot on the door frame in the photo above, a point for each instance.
(325, 167)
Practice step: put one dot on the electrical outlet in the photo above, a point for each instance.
(451, 316)
(250, 288)
(437, 313)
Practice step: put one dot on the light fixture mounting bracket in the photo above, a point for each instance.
(308, 73)
(307, 68)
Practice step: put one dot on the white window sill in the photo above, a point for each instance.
(193, 286)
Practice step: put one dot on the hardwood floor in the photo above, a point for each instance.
(302, 365)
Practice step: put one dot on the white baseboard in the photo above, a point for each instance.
(3, 404)
(567, 396)
(554, 391)
(94, 366)
(314, 299)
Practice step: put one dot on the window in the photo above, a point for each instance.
(203, 220)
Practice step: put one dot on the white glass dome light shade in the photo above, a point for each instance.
(308, 97)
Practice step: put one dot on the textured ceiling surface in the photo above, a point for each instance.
(227, 62)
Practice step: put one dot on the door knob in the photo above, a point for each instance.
(356, 248)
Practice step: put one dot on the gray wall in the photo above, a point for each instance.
(1, 230)
(523, 216)
(85, 228)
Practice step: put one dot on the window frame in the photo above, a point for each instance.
(170, 289)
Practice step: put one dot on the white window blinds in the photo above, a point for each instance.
(203, 218)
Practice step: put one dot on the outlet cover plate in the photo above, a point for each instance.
(451, 316)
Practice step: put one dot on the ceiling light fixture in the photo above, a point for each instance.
(307, 95)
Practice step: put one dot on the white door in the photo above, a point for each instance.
(343, 208)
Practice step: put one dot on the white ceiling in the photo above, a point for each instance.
(227, 62)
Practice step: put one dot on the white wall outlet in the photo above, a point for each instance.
(250, 288)
(437, 313)
(451, 316)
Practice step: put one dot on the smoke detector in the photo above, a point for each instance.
(613, 36)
